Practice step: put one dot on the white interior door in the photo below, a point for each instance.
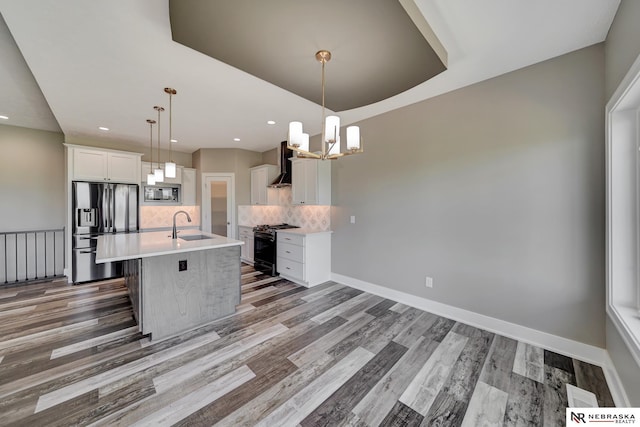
(218, 204)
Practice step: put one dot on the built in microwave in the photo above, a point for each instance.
(167, 194)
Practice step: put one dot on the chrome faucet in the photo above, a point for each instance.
(174, 233)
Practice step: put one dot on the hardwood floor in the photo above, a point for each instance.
(325, 356)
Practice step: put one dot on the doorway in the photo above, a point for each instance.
(218, 204)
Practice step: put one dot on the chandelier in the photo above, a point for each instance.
(299, 141)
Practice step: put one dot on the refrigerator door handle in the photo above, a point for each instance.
(105, 210)
(110, 209)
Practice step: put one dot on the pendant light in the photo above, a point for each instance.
(170, 166)
(151, 177)
(159, 173)
(299, 142)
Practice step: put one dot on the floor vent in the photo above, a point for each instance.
(579, 398)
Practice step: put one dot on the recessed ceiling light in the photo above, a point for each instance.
(271, 122)
(174, 140)
(103, 128)
(4, 117)
(236, 139)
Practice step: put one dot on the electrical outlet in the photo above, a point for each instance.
(428, 282)
(182, 265)
(353, 219)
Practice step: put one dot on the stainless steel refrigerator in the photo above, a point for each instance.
(100, 209)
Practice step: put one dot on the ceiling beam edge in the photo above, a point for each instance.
(427, 32)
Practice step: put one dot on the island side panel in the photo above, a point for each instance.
(174, 301)
(132, 280)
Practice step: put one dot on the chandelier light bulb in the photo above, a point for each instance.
(331, 128)
(353, 138)
(295, 134)
(305, 142)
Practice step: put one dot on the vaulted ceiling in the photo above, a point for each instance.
(76, 65)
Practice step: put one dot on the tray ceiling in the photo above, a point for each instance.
(84, 64)
(377, 51)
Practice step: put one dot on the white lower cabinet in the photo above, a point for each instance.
(246, 250)
(304, 258)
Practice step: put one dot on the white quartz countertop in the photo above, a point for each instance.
(302, 231)
(120, 247)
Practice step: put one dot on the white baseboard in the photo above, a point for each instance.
(616, 388)
(575, 349)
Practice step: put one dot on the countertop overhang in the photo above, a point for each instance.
(121, 247)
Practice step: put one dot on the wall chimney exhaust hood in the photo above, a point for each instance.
(284, 179)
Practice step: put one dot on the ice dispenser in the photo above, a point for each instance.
(87, 218)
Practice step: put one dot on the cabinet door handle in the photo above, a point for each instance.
(288, 252)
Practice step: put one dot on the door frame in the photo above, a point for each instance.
(205, 212)
(623, 210)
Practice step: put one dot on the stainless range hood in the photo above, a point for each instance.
(284, 179)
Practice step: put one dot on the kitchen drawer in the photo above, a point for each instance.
(294, 239)
(292, 252)
(290, 268)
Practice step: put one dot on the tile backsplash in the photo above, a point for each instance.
(315, 218)
(162, 216)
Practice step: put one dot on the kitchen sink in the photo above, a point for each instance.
(195, 237)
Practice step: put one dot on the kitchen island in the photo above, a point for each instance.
(176, 284)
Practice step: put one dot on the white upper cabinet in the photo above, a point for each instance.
(123, 167)
(311, 182)
(188, 186)
(261, 176)
(89, 164)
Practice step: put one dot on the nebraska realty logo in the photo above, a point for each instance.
(602, 416)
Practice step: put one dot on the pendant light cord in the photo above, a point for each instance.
(159, 137)
(151, 122)
(170, 133)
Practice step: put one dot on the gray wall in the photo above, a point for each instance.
(495, 190)
(32, 179)
(622, 47)
(228, 160)
(270, 157)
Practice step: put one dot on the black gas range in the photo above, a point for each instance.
(265, 247)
